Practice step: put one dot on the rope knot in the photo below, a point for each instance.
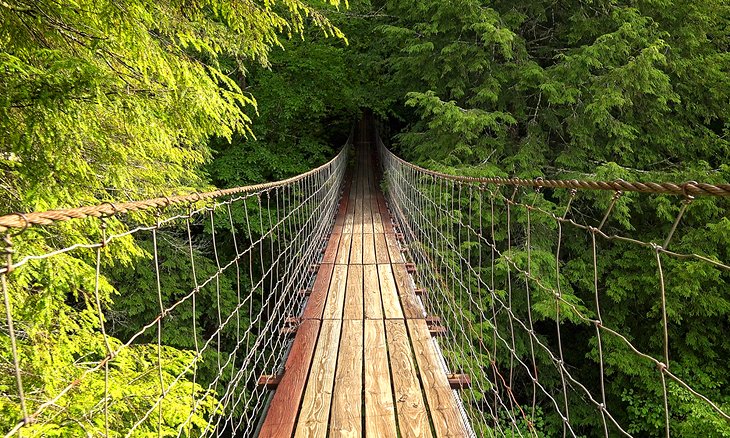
(114, 208)
(538, 184)
(685, 191)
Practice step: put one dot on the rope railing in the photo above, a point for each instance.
(686, 189)
(224, 272)
(526, 275)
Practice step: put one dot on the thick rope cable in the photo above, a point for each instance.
(689, 188)
(25, 220)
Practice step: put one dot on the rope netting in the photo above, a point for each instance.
(547, 295)
(171, 309)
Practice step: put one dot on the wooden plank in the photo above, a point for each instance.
(367, 218)
(314, 414)
(367, 214)
(384, 213)
(368, 192)
(353, 293)
(445, 414)
(379, 405)
(411, 307)
(281, 416)
(347, 398)
(357, 220)
(356, 249)
(336, 296)
(342, 208)
(368, 249)
(377, 218)
(393, 248)
(389, 293)
(459, 381)
(343, 250)
(330, 252)
(318, 297)
(357, 224)
(377, 223)
(381, 249)
(412, 414)
(271, 381)
(371, 292)
(350, 215)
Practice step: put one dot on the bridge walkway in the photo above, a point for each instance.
(363, 361)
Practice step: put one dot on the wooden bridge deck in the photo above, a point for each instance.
(363, 362)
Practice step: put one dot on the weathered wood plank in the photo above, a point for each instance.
(384, 213)
(314, 414)
(389, 293)
(445, 414)
(342, 208)
(281, 416)
(377, 217)
(357, 220)
(357, 223)
(379, 405)
(377, 223)
(393, 248)
(381, 249)
(343, 250)
(411, 307)
(318, 297)
(368, 249)
(354, 293)
(350, 214)
(356, 249)
(371, 292)
(367, 213)
(347, 398)
(336, 296)
(410, 405)
(330, 252)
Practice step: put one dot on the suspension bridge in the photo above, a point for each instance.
(367, 297)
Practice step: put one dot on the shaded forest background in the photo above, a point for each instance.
(118, 100)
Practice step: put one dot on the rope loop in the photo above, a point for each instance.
(687, 196)
(26, 225)
(115, 210)
(538, 186)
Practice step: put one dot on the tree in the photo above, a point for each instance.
(107, 101)
(589, 90)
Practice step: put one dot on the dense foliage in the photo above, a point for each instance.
(589, 90)
(115, 100)
(111, 101)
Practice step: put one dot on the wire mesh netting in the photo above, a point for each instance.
(542, 291)
(160, 322)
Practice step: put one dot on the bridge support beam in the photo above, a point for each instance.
(270, 381)
(434, 326)
(459, 381)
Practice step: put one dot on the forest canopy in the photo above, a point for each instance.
(108, 101)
